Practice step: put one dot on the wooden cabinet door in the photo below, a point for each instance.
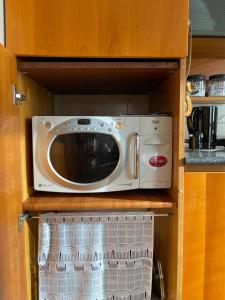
(12, 269)
(97, 28)
(194, 236)
(214, 285)
(204, 236)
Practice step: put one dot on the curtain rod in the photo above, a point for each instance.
(63, 216)
(26, 216)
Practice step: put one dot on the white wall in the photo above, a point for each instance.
(2, 39)
(67, 105)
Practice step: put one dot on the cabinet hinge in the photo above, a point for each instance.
(18, 96)
(21, 219)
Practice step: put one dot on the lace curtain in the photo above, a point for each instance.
(104, 256)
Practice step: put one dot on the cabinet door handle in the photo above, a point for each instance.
(136, 156)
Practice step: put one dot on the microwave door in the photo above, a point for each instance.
(99, 157)
(86, 158)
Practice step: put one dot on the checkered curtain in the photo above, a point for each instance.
(92, 256)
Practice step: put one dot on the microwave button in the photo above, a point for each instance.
(48, 124)
(120, 125)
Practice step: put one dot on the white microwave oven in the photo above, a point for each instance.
(83, 154)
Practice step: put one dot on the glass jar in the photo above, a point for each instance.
(198, 85)
(217, 85)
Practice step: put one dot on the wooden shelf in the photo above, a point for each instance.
(114, 201)
(208, 47)
(208, 99)
(205, 168)
(97, 77)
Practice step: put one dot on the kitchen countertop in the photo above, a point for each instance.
(205, 156)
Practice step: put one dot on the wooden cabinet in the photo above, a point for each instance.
(126, 89)
(194, 236)
(204, 235)
(97, 28)
(68, 35)
(12, 266)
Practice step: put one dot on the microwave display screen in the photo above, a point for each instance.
(84, 122)
(84, 157)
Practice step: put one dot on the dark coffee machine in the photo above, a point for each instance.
(202, 127)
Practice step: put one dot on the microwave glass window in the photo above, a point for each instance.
(84, 157)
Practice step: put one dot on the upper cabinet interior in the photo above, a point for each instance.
(208, 28)
(207, 18)
(97, 28)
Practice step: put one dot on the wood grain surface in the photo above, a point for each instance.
(214, 287)
(12, 267)
(97, 28)
(204, 235)
(169, 96)
(194, 236)
(71, 77)
(38, 102)
(208, 66)
(205, 168)
(208, 99)
(208, 47)
(116, 200)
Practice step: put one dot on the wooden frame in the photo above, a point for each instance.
(167, 93)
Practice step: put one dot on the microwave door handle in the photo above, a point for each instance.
(136, 156)
(159, 144)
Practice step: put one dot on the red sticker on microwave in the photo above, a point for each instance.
(158, 161)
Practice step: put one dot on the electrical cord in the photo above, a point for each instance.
(189, 48)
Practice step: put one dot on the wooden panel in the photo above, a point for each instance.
(205, 168)
(116, 200)
(208, 99)
(68, 77)
(174, 93)
(38, 102)
(169, 97)
(166, 241)
(208, 47)
(194, 236)
(204, 233)
(12, 267)
(31, 227)
(215, 237)
(2, 23)
(208, 66)
(97, 28)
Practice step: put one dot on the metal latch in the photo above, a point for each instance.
(18, 96)
(21, 219)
